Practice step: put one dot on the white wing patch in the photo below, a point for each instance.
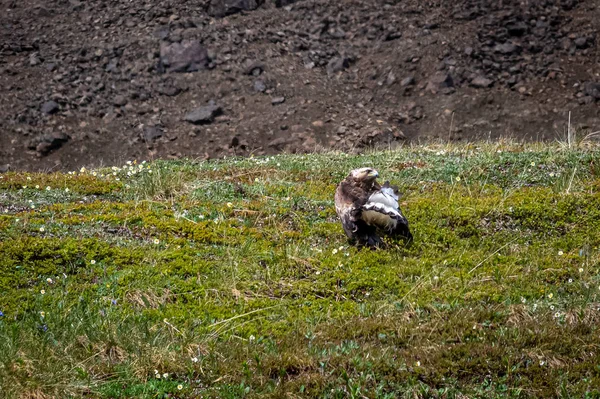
(385, 196)
(382, 209)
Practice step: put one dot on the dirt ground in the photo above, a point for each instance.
(99, 82)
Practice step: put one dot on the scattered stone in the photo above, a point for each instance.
(34, 59)
(592, 89)
(254, 68)
(391, 79)
(112, 66)
(119, 100)
(277, 100)
(280, 142)
(517, 29)
(585, 100)
(47, 143)
(507, 48)
(152, 133)
(439, 82)
(203, 115)
(581, 42)
(481, 82)
(4, 168)
(393, 35)
(76, 5)
(169, 90)
(338, 64)
(162, 32)
(187, 56)
(283, 3)
(309, 64)
(408, 81)
(537, 48)
(50, 107)
(260, 86)
(223, 8)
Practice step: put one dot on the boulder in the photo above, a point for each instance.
(187, 56)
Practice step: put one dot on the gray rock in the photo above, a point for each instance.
(517, 28)
(203, 115)
(507, 48)
(50, 107)
(283, 3)
(277, 100)
(152, 133)
(162, 32)
(34, 59)
(440, 82)
(222, 8)
(408, 81)
(49, 142)
(76, 5)
(338, 64)
(280, 142)
(481, 82)
(169, 90)
(187, 56)
(4, 168)
(254, 68)
(112, 66)
(260, 86)
(119, 100)
(592, 89)
(391, 79)
(581, 42)
(585, 100)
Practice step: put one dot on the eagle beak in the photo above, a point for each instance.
(373, 173)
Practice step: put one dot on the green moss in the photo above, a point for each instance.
(242, 265)
(86, 184)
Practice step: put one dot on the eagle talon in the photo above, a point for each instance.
(367, 208)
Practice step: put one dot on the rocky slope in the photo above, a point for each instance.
(97, 81)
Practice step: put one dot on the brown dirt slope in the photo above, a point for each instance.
(97, 82)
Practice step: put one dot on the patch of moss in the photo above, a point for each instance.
(85, 184)
(235, 278)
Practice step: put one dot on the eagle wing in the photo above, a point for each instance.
(382, 210)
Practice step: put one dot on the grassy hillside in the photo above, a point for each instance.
(233, 279)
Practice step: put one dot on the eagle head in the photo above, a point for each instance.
(363, 175)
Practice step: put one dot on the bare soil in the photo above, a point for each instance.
(91, 82)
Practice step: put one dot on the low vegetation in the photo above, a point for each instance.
(233, 279)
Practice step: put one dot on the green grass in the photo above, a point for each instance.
(233, 278)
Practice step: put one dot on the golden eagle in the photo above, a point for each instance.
(367, 208)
